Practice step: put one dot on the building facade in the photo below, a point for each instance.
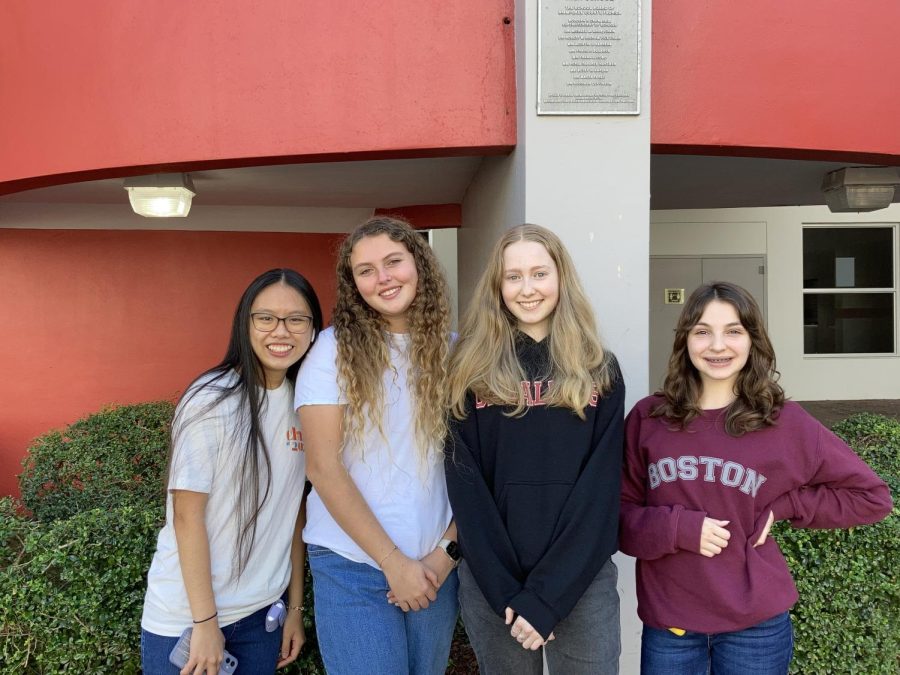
(299, 121)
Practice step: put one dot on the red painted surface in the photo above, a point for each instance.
(812, 79)
(94, 317)
(100, 89)
(427, 216)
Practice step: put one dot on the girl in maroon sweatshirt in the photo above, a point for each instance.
(711, 462)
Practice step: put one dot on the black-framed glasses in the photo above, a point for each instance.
(295, 323)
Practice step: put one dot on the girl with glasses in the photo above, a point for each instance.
(231, 544)
(371, 402)
(533, 466)
(711, 462)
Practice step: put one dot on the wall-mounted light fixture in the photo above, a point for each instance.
(161, 195)
(860, 188)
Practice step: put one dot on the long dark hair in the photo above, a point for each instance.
(759, 396)
(249, 387)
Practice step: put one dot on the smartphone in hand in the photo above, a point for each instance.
(182, 652)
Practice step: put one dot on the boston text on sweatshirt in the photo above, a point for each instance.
(673, 479)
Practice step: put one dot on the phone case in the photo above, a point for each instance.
(181, 652)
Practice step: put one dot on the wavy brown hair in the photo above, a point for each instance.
(363, 351)
(759, 396)
(484, 360)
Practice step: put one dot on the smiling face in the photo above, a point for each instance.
(279, 349)
(385, 275)
(719, 345)
(530, 287)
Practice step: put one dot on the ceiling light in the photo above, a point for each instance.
(161, 195)
(860, 188)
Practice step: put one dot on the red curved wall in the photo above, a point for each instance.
(95, 89)
(93, 317)
(784, 78)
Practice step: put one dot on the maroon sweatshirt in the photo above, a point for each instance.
(673, 479)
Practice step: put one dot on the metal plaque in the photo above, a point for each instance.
(674, 296)
(589, 57)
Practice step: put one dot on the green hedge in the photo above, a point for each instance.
(71, 599)
(74, 559)
(72, 594)
(848, 616)
(116, 457)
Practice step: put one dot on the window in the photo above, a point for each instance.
(849, 290)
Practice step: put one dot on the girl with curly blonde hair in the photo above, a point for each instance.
(533, 465)
(371, 398)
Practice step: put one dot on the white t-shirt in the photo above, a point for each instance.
(409, 500)
(207, 459)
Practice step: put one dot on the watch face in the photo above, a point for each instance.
(453, 551)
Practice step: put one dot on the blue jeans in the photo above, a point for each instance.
(359, 632)
(256, 651)
(763, 649)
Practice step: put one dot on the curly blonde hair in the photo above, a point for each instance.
(363, 350)
(484, 360)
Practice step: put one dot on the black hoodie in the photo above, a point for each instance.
(536, 497)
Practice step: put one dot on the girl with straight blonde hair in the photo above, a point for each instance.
(372, 404)
(533, 465)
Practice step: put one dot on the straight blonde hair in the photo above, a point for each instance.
(484, 360)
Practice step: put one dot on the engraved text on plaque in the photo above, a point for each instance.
(589, 57)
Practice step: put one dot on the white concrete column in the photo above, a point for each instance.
(588, 179)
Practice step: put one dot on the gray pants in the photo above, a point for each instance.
(587, 641)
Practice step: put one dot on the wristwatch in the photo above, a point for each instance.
(451, 548)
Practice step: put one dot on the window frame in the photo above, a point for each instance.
(893, 290)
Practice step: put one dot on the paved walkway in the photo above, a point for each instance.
(829, 412)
